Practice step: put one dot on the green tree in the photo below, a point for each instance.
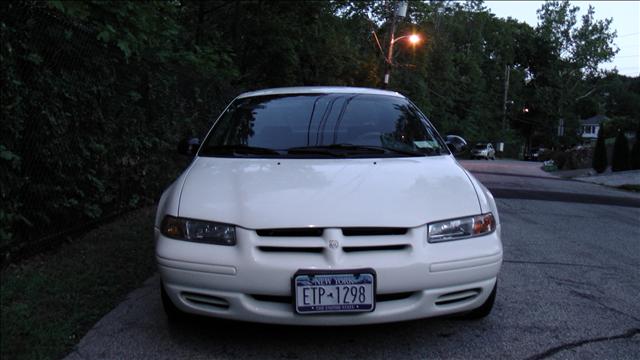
(570, 54)
(620, 160)
(600, 153)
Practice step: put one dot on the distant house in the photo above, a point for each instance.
(589, 127)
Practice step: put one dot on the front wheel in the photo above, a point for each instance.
(485, 309)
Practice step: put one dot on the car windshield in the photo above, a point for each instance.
(321, 125)
(481, 146)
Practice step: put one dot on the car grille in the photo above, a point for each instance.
(294, 232)
(300, 249)
(318, 240)
(373, 231)
(349, 249)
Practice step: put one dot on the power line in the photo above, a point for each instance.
(630, 34)
(634, 39)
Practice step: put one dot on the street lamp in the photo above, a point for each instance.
(398, 9)
(413, 40)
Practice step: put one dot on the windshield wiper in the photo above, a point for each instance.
(315, 150)
(345, 149)
(238, 149)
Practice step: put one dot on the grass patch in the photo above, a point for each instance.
(50, 301)
(630, 187)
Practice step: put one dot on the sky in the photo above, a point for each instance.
(626, 21)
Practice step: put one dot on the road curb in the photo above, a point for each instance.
(505, 193)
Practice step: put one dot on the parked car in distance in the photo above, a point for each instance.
(484, 151)
(534, 153)
(326, 206)
(456, 143)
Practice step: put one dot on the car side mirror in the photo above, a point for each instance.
(189, 146)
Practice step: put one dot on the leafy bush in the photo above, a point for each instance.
(600, 154)
(578, 158)
(575, 158)
(559, 158)
(547, 154)
(620, 161)
(92, 113)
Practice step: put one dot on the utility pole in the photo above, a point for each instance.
(389, 61)
(398, 8)
(507, 72)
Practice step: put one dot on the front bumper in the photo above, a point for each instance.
(252, 280)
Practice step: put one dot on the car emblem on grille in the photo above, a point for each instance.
(333, 244)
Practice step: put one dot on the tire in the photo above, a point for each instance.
(485, 309)
(170, 309)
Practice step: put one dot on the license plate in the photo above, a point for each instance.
(334, 291)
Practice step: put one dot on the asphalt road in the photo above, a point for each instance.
(568, 289)
(525, 180)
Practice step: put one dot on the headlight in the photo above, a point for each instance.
(461, 228)
(198, 231)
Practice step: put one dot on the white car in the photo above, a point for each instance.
(326, 206)
(483, 150)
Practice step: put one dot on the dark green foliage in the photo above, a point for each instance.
(559, 158)
(96, 95)
(94, 99)
(635, 153)
(600, 153)
(620, 161)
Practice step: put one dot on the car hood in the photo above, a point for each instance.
(284, 193)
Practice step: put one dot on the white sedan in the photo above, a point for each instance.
(483, 150)
(326, 206)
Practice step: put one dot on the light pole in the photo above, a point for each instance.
(400, 10)
(413, 39)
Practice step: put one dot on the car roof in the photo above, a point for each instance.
(320, 90)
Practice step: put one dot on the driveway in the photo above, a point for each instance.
(568, 289)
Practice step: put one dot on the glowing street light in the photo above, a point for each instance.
(398, 9)
(413, 40)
